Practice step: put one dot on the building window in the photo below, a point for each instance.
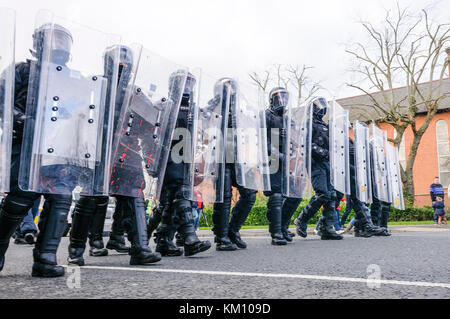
(401, 150)
(443, 151)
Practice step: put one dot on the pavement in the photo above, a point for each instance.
(412, 263)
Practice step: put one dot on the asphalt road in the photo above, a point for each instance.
(410, 264)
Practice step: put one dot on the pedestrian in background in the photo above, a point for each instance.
(436, 190)
(439, 210)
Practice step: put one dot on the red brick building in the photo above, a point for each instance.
(433, 156)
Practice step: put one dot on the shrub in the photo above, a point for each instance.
(257, 216)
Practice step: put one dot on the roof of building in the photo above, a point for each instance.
(362, 107)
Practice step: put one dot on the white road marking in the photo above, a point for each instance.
(288, 276)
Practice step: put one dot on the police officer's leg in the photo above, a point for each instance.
(319, 182)
(288, 209)
(81, 221)
(185, 225)
(375, 211)
(97, 248)
(14, 208)
(274, 205)
(239, 214)
(116, 238)
(135, 225)
(221, 216)
(329, 209)
(363, 224)
(166, 231)
(385, 210)
(52, 224)
(155, 219)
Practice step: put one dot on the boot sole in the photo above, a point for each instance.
(226, 248)
(187, 254)
(120, 251)
(279, 244)
(102, 254)
(75, 262)
(169, 254)
(135, 262)
(331, 238)
(39, 273)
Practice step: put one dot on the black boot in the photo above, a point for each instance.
(116, 238)
(81, 221)
(164, 242)
(364, 226)
(385, 210)
(97, 248)
(287, 211)
(307, 213)
(327, 226)
(52, 224)
(154, 220)
(239, 214)
(274, 217)
(10, 221)
(221, 219)
(185, 223)
(136, 227)
(179, 240)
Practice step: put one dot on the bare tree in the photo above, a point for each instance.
(294, 78)
(406, 51)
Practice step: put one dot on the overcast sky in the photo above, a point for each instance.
(232, 37)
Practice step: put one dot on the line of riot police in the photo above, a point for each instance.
(121, 121)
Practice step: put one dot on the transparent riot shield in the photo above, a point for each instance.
(395, 181)
(363, 176)
(148, 114)
(297, 151)
(339, 148)
(205, 174)
(70, 108)
(250, 139)
(380, 178)
(7, 76)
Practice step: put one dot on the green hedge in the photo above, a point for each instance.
(257, 216)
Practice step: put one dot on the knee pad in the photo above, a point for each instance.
(248, 195)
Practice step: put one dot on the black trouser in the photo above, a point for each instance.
(221, 211)
(52, 221)
(177, 214)
(90, 213)
(379, 211)
(325, 195)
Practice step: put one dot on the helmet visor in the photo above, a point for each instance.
(189, 86)
(61, 41)
(280, 98)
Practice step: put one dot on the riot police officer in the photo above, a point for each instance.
(279, 209)
(226, 231)
(130, 212)
(53, 217)
(320, 177)
(177, 210)
(363, 223)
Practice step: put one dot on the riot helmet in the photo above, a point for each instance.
(320, 106)
(188, 91)
(125, 61)
(61, 42)
(279, 99)
(225, 83)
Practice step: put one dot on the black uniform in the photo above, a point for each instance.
(279, 209)
(176, 209)
(90, 211)
(226, 231)
(53, 218)
(363, 223)
(320, 177)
